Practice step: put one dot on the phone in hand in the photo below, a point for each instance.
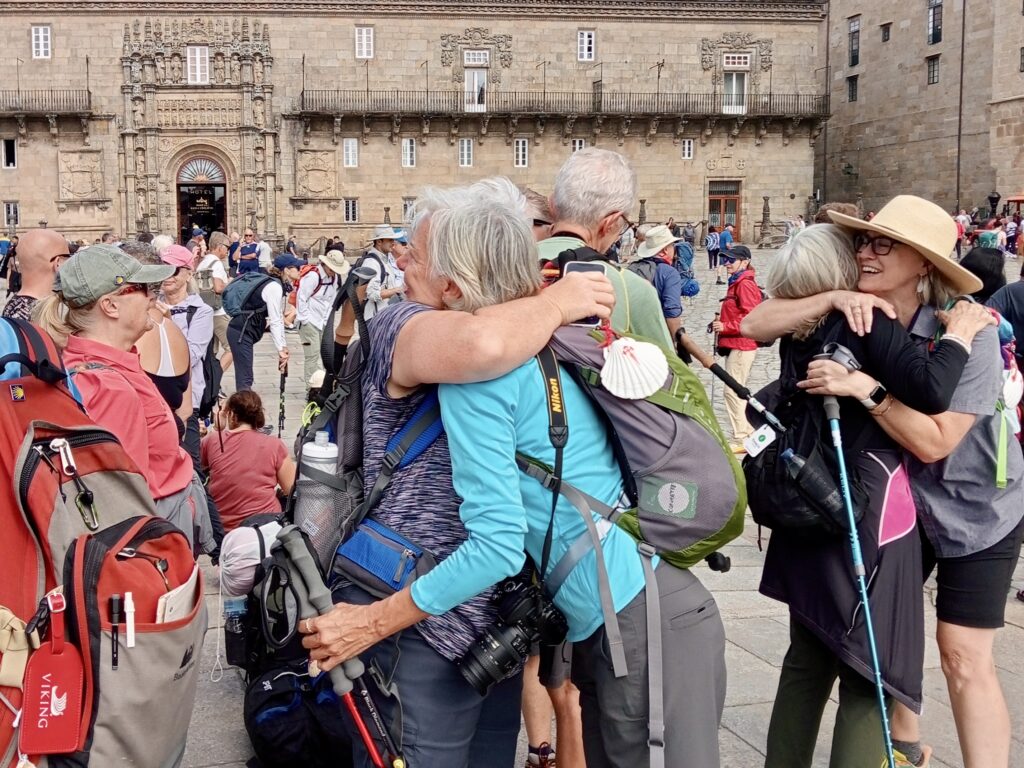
(586, 266)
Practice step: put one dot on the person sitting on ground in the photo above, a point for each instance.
(99, 310)
(248, 469)
(654, 259)
(40, 252)
(810, 572)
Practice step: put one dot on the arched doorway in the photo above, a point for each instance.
(202, 197)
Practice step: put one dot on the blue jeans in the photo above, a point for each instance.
(445, 722)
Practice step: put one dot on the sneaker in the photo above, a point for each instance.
(903, 762)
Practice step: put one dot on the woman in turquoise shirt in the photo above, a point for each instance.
(454, 263)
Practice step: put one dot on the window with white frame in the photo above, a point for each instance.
(364, 42)
(10, 153)
(476, 58)
(465, 153)
(407, 205)
(734, 83)
(198, 65)
(521, 154)
(686, 149)
(578, 144)
(350, 153)
(586, 45)
(351, 210)
(408, 153)
(12, 214)
(41, 41)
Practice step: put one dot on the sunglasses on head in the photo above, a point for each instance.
(880, 244)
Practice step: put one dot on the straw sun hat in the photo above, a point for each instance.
(923, 226)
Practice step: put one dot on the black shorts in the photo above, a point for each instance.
(555, 663)
(973, 588)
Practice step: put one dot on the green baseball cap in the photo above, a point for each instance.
(98, 270)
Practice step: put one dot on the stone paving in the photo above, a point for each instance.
(756, 627)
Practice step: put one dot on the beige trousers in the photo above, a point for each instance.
(737, 365)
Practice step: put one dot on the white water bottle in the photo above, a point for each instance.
(315, 503)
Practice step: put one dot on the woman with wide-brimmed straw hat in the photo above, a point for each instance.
(966, 474)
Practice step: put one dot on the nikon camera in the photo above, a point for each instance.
(525, 615)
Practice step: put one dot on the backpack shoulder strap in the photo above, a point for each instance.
(408, 444)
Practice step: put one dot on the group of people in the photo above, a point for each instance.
(457, 310)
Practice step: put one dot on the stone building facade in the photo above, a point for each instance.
(910, 114)
(316, 118)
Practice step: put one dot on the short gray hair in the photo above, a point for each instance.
(142, 252)
(479, 237)
(816, 259)
(162, 241)
(591, 184)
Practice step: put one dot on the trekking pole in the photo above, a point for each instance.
(714, 351)
(843, 356)
(280, 415)
(314, 599)
(718, 371)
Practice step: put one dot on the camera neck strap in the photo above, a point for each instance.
(558, 434)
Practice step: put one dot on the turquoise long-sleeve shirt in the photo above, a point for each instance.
(505, 512)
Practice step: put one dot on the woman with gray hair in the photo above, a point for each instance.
(809, 571)
(473, 313)
(967, 482)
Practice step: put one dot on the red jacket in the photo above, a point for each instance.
(741, 297)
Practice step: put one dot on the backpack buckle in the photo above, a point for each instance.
(646, 549)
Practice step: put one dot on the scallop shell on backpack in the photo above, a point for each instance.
(633, 369)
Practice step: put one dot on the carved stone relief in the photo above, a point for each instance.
(316, 173)
(222, 112)
(80, 175)
(478, 38)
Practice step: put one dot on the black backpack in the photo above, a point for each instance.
(646, 268)
(212, 372)
(293, 720)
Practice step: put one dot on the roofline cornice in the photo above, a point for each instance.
(734, 11)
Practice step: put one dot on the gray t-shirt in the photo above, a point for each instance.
(961, 509)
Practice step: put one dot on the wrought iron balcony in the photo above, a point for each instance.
(783, 105)
(45, 102)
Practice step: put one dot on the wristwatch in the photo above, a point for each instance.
(876, 397)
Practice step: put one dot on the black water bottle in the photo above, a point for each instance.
(817, 487)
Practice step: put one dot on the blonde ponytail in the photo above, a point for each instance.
(59, 320)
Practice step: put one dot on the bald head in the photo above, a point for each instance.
(39, 252)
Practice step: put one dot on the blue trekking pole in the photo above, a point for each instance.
(832, 413)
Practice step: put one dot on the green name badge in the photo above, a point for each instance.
(669, 497)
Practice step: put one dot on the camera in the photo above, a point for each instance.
(525, 616)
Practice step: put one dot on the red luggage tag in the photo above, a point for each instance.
(51, 711)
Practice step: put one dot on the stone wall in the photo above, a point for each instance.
(900, 136)
(116, 168)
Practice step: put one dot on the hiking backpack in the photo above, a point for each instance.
(239, 291)
(294, 295)
(204, 282)
(212, 372)
(66, 477)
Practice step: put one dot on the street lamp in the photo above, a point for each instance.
(993, 201)
(657, 88)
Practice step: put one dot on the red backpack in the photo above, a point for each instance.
(294, 295)
(61, 477)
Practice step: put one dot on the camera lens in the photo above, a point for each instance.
(495, 656)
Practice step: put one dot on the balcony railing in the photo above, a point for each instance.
(565, 102)
(45, 102)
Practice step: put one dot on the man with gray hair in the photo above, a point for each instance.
(594, 192)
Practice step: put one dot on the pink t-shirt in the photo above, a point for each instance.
(243, 476)
(120, 397)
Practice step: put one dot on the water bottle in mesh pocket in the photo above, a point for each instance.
(326, 513)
